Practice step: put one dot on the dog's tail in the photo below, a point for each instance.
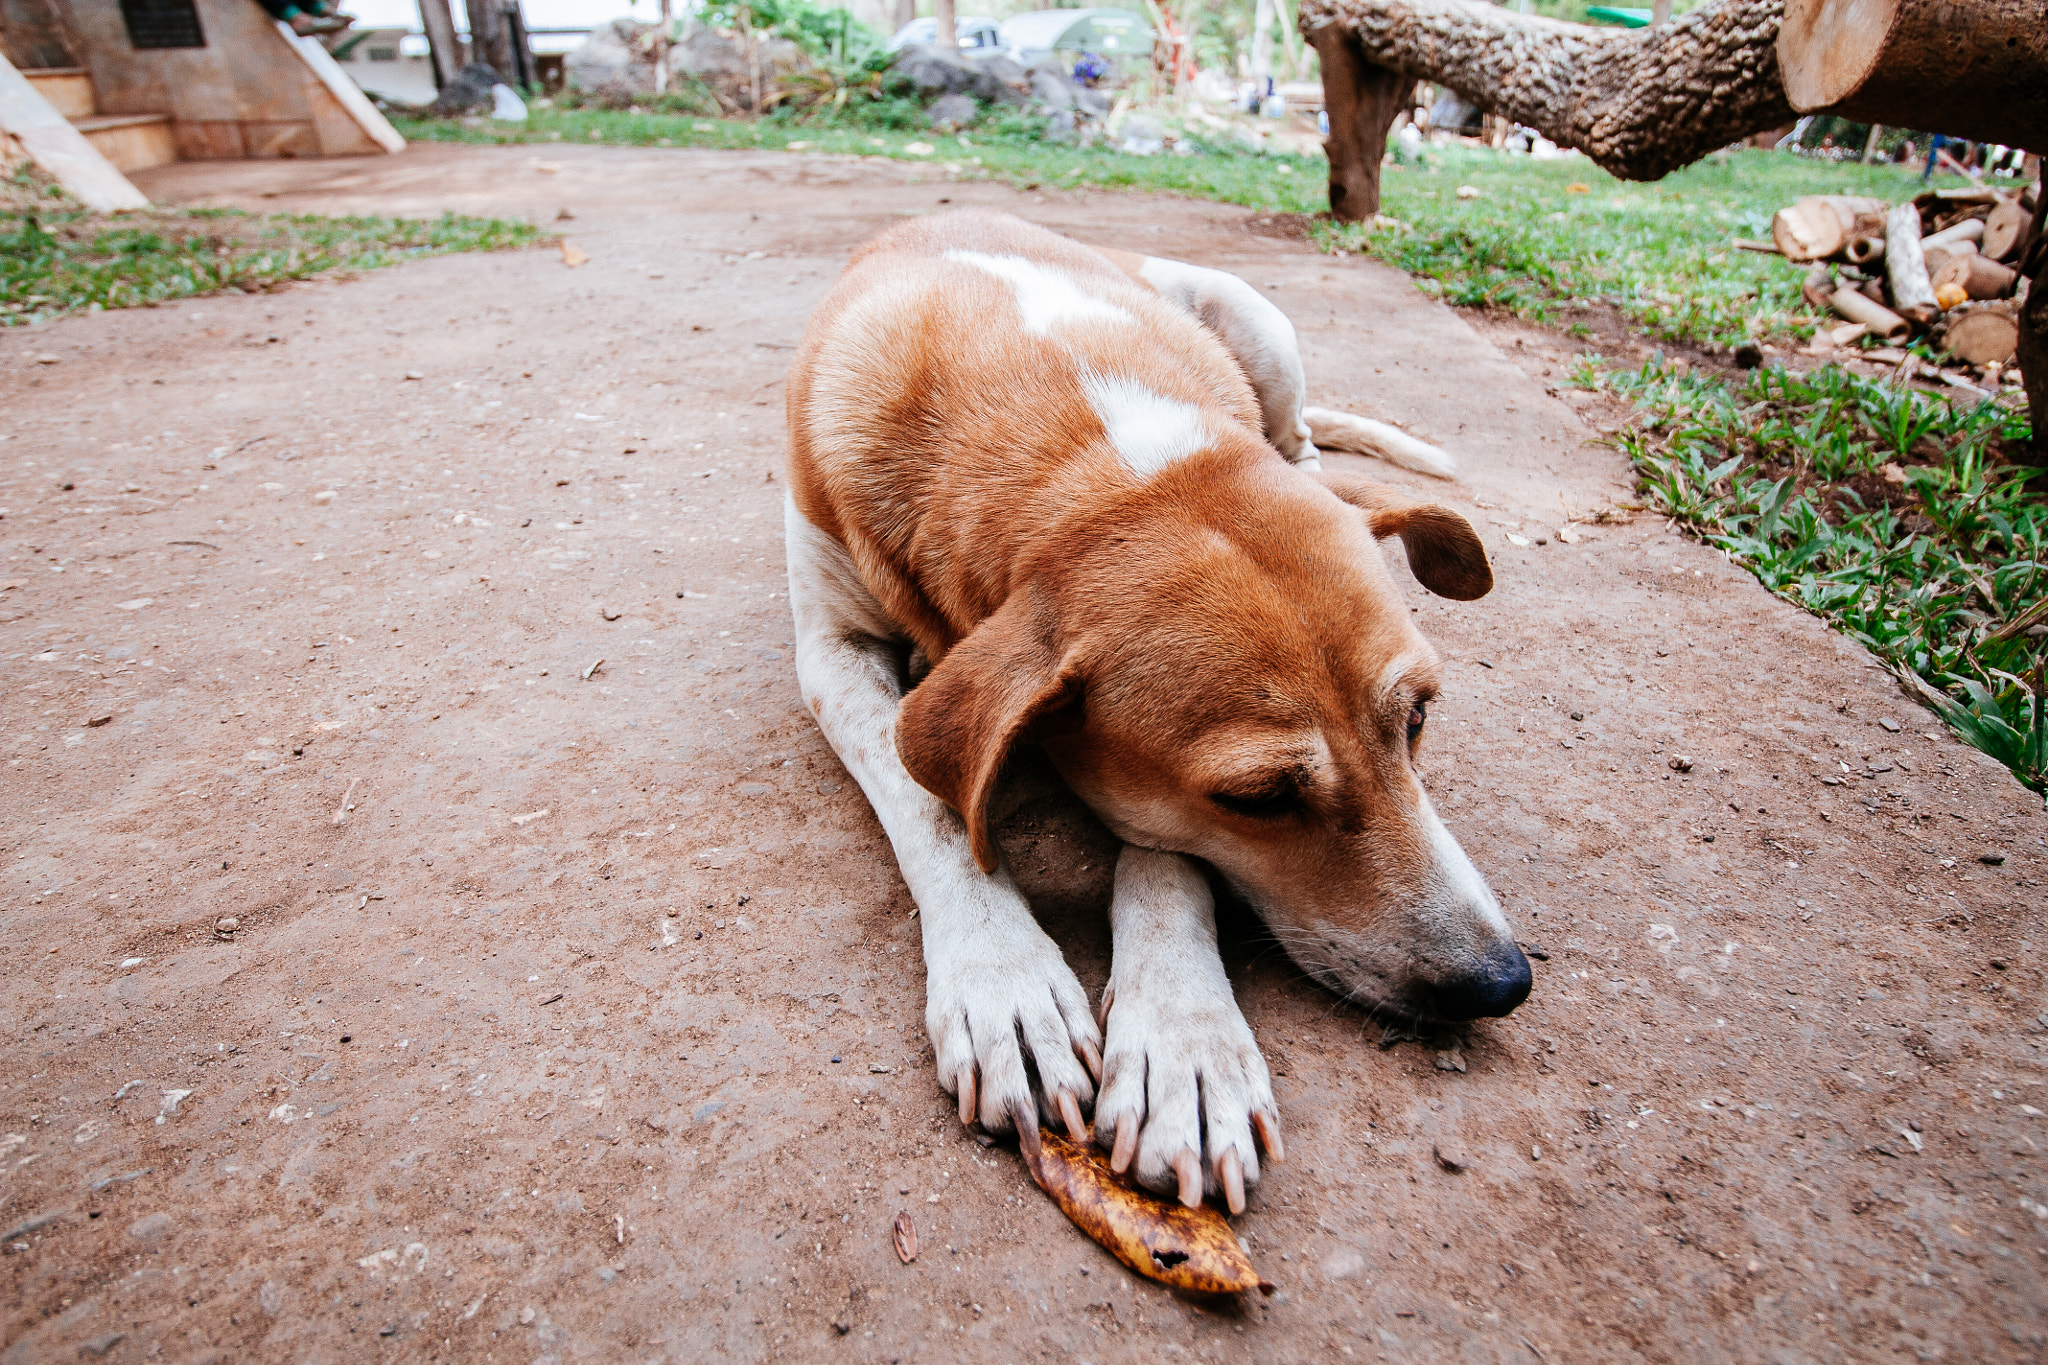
(1333, 430)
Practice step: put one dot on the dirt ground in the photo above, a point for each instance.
(574, 1010)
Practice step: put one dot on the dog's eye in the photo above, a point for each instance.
(1416, 716)
(1266, 805)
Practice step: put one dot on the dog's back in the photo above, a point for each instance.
(972, 383)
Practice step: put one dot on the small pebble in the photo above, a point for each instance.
(1889, 724)
(227, 924)
(415, 374)
(1991, 859)
(1679, 763)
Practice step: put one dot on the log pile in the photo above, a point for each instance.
(1944, 266)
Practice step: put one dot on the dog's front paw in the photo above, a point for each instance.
(1183, 1085)
(992, 1001)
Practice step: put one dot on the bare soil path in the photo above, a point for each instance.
(579, 1017)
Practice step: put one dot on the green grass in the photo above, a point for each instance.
(1884, 510)
(56, 258)
(1662, 253)
(1011, 149)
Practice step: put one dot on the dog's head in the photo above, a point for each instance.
(1235, 677)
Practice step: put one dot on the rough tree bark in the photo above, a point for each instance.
(1640, 103)
(2033, 320)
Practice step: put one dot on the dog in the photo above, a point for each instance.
(1082, 487)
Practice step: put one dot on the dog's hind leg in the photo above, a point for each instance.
(1257, 335)
(1183, 1082)
(1262, 341)
(996, 988)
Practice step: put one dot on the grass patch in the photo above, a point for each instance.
(58, 258)
(1885, 511)
(1542, 236)
(1008, 147)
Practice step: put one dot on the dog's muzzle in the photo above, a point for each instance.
(1493, 987)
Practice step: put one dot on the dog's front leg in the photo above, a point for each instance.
(996, 987)
(1183, 1081)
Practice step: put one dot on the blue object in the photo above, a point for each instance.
(1627, 18)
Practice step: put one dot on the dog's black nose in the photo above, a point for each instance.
(1498, 983)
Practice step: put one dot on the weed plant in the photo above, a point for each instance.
(1884, 510)
(57, 258)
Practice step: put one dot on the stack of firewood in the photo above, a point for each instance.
(1941, 266)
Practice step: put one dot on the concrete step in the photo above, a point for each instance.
(132, 142)
(67, 88)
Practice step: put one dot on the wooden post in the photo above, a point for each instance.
(444, 50)
(1363, 100)
(947, 33)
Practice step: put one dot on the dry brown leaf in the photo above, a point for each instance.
(906, 1239)
(571, 256)
(1192, 1249)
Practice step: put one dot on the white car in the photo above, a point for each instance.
(1118, 34)
(975, 34)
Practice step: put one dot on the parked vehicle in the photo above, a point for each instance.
(975, 34)
(1064, 34)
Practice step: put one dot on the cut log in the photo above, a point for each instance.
(1819, 287)
(1938, 258)
(1969, 230)
(1976, 69)
(1864, 248)
(2003, 230)
(1905, 267)
(1984, 336)
(1881, 321)
(1976, 277)
(1639, 102)
(1820, 225)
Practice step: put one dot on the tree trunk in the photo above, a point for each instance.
(442, 48)
(1641, 103)
(947, 35)
(488, 38)
(1977, 69)
(1262, 44)
(1362, 100)
(2033, 320)
(1905, 266)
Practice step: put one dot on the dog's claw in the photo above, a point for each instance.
(1102, 1011)
(967, 1106)
(1070, 1114)
(1230, 1175)
(1027, 1139)
(1268, 1128)
(1126, 1144)
(1090, 1058)
(1188, 1167)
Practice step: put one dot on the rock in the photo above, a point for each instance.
(468, 93)
(1887, 723)
(150, 1226)
(226, 925)
(1451, 1156)
(932, 72)
(950, 113)
(1991, 859)
(1679, 763)
(1141, 136)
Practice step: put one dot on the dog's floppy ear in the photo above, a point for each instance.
(955, 729)
(1444, 551)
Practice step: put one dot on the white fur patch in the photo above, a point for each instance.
(1150, 431)
(1046, 297)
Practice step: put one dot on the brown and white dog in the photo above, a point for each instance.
(1054, 478)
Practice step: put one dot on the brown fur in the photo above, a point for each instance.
(1218, 631)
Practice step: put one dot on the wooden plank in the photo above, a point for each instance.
(361, 117)
(48, 137)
